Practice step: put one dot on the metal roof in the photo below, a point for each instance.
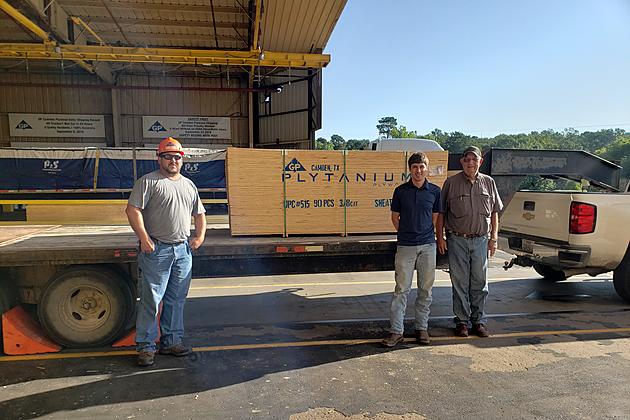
(286, 26)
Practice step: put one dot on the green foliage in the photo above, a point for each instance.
(323, 144)
(536, 183)
(611, 144)
(338, 143)
(385, 126)
(618, 152)
(357, 144)
(402, 133)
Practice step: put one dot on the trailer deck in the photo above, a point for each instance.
(221, 253)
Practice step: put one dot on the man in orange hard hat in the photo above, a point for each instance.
(159, 210)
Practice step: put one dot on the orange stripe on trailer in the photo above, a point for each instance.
(282, 249)
(299, 248)
(22, 335)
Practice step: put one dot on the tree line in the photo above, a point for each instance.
(612, 143)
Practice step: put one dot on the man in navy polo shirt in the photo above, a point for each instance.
(415, 208)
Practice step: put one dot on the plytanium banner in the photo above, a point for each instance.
(56, 125)
(186, 127)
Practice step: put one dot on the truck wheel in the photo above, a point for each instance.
(621, 277)
(549, 273)
(85, 307)
(8, 299)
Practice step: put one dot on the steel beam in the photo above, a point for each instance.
(24, 21)
(162, 55)
(126, 4)
(162, 22)
(80, 22)
(256, 25)
(35, 29)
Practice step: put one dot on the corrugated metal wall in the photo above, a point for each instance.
(136, 103)
(284, 119)
(52, 99)
(71, 94)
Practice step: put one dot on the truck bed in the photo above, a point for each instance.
(221, 254)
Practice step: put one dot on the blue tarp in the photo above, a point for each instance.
(53, 170)
(45, 169)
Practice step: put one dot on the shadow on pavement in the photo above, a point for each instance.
(257, 319)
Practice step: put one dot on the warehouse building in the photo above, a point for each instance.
(114, 73)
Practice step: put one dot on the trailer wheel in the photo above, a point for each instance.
(549, 273)
(621, 277)
(8, 299)
(85, 307)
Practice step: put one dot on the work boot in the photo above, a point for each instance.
(422, 336)
(480, 330)
(461, 330)
(146, 358)
(392, 340)
(176, 350)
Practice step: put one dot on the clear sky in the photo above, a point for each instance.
(481, 67)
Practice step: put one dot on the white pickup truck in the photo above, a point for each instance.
(562, 234)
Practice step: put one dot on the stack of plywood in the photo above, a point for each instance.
(309, 192)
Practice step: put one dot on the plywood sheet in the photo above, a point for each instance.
(314, 192)
(372, 178)
(255, 191)
(77, 214)
(305, 192)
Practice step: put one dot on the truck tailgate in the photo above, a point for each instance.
(544, 215)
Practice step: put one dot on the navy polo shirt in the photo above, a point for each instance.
(416, 207)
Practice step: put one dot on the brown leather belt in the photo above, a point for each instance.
(466, 235)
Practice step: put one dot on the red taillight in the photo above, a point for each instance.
(582, 218)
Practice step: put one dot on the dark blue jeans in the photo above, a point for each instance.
(164, 277)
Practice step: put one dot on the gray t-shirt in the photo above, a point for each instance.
(468, 206)
(166, 205)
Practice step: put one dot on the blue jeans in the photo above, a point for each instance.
(468, 262)
(164, 277)
(408, 259)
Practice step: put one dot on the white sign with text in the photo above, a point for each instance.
(186, 127)
(56, 125)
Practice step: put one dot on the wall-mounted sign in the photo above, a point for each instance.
(56, 125)
(186, 127)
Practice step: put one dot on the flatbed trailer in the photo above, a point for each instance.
(82, 279)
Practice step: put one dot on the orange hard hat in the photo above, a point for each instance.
(170, 144)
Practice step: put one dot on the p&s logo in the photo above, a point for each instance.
(51, 166)
(294, 166)
(191, 168)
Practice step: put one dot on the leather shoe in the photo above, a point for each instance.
(422, 336)
(461, 330)
(392, 340)
(480, 330)
(176, 350)
(146, 358)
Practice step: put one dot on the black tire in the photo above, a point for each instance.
(548, 273)
(621, 277)
(8, 299)
(85, 307)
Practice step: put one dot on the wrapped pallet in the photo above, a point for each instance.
(311, 192)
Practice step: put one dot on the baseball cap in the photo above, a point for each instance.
(471, 149)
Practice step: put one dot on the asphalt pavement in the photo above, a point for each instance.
(306, 347)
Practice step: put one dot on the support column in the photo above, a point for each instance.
(311, 125)
(250, 109)
(115, 95)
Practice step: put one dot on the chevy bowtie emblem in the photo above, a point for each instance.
(528, 216)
